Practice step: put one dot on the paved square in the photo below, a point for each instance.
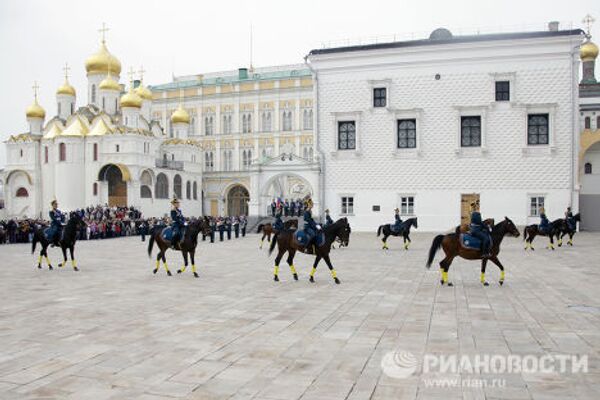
(116, 331)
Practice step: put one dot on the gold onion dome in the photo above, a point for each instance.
(103, 61)
(131, 99)
(109, 83)
(143, 92)
(66, 89)
(35, 111)
(180, 116)
(588, 51)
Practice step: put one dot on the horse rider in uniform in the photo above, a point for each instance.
(177, 224)
(328, 220)
(479, 230)
(278, 224)
(311, 228)
(398, 220)
(56, 224)
(544, 222)
(570, 220)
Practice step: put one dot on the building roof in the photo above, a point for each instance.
(448, 40)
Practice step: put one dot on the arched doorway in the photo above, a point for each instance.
(237, 201)
(116, 178)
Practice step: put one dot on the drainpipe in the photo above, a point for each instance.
(316, 135)
(574, 176)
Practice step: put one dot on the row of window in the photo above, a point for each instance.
(502, 94)
(538, 132)
(161, 188)
(62, 151)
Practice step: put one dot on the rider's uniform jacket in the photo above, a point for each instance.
(56, 218)
(177, 218)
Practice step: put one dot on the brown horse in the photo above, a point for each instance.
(287, 243)
(267, 229)
(187, 245)
(452, 247)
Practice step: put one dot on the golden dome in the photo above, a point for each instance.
(131, 99)
(66, 89)
(103, 61)
(109, 83)
(588, 51)
(143, 92)
(35, 111)
(180, 116)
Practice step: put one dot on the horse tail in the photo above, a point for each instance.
(435, 246)
(525, 233)
(260, 226)
(379, 230)
(151, 243)
(34, 241)
(273, 243)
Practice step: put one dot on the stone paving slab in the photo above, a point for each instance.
(116, 331)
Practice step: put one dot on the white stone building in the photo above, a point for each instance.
(104, 151)
(430, 125)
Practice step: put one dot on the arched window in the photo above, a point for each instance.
(162, 187)
(95, 189)
(588, 168)
(59, 108)
(188, 190)
(73, 108)
(287, 120)
(177, 186)
(310, 154)
(195, 191)
(597, 122)
(305, 152)
(95, 151)
(93, 93)
(145, 192)
(22, 192)
(587, 123)
(21, 153)
(62, 152)
(46, 154)
(104, 103)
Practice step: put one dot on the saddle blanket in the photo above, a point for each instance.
(167, 233)
(470, 242)
(302, 238)
(393, 227)
(47, 234)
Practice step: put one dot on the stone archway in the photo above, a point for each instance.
(116, 177)
(237, 201)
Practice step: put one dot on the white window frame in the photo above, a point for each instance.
(341, 203)
(511, 77)
(379, 84)
(410, 113)
(471, 111)
(400, 204)
(531, 196)
(550, 109)
(341, 117)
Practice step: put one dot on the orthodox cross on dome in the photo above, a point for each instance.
(103, 31)
(131, 75)
(66, 68)
(35, 88)
(588, 21)
(142, 71)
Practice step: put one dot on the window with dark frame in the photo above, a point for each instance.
(346, 135)
(62, 152)
(407, 205)
(407, 133)
(588, 168)
(347, 205)
(537, 129)
(380, 97)
(470, 131)
(536, 204)
(587, 123)
(95, 151)
(45, 154)
(502, 91)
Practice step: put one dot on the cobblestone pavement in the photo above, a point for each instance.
(116, 331)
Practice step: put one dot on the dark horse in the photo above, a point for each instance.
(452, 247)
(267, 229)
(531, 231)
(2, 235)
(69, 237)
(286, 242)
(187, 245)
(563, 228)
(404, 231)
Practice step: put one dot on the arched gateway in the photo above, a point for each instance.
(116, 177)
(237, 201)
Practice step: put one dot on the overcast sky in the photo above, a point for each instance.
(189, 37)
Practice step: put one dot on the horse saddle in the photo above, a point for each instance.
(470, 242)
(302, 238)
(396, 230)
(60, 233)
(167, 233)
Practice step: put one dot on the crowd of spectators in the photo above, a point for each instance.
(291, 208)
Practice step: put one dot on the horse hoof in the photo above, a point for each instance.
(39, 266)
(75, 269)
(155, 271)
(295, 277)
(337, 281)
(178, 271)
(501, 283)
(311, 279)
(50, 267)
(442, 282)
(169, 273)
(196, 275)
(486, 284)
(276, 278)
(60, 265)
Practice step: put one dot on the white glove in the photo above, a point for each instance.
(318, 227)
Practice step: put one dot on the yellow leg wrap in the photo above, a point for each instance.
(560, 242)
(39, 259)
(405, 246)
(312, 273)
(502, 275)
(333, 274)
(570, 242)
(276, 271)
(193, 267)
(183, 268)
(47, 260)
(482, 278)
(157, 264)
(292, 269)
(166, 267)
(444, 276)
(74, 263)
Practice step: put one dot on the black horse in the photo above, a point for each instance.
(67, 241)
(404, 231)
(563, 228)
(531, 231)
(187, 245)
(287, 243)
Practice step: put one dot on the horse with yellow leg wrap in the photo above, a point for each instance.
(187, 246)
(452, 247)
(286, 242)
(69, 237)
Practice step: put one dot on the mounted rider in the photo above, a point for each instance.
(177, 223)
(278, 224)
(544, 222)
(57, 220)
(398, 221)
(328, 220)
(310, 226)
(479, 230)
(571, 224)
